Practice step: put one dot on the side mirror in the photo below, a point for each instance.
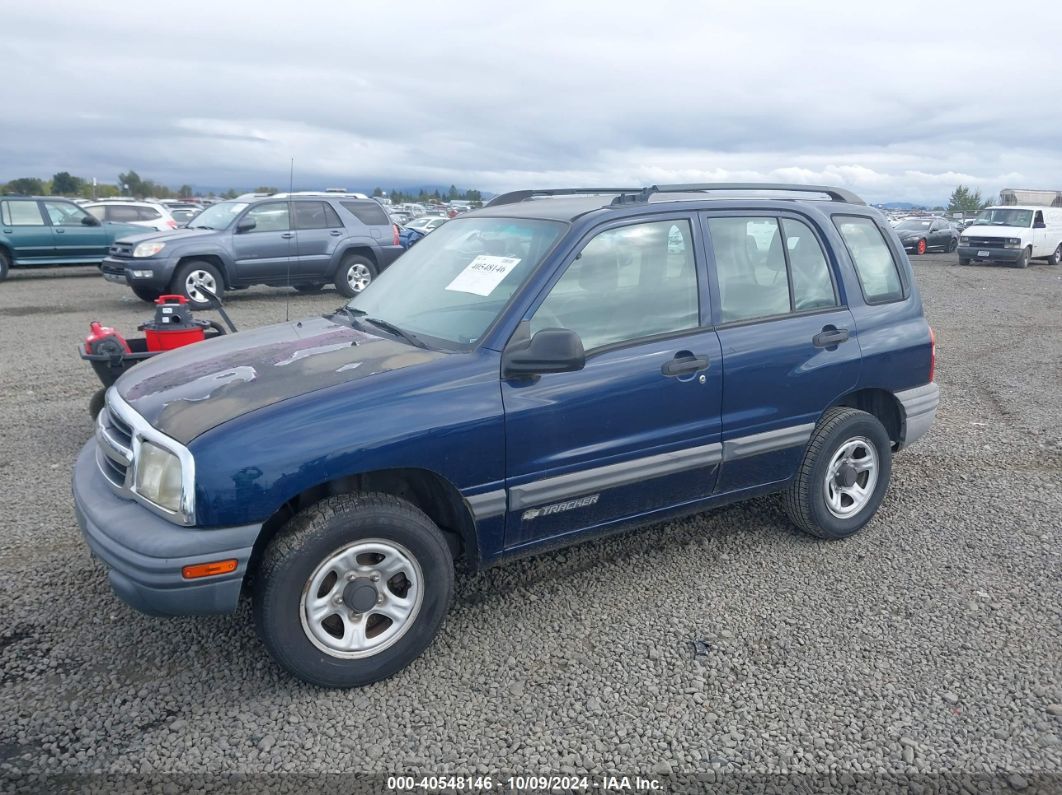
(90, 220)
(552, 350)
(246, 225)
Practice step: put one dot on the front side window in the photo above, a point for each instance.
(455, 282)
(626, 284)
(65, 213)
(270, 217)
(874, 264)
(22, 213)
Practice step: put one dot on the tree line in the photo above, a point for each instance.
(453, 194)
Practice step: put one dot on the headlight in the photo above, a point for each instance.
(964, 240)
(148, 249)
(158, 477)
(1012, 242)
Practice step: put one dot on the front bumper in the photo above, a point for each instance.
(144, 553)
(117, 270)
(1008, 255)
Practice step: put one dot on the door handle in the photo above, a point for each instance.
(287, 235)
(684, 364)
(60, 231)
(336, 232)
(830, 337)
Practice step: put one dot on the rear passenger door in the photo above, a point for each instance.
(637, 429)
(318, 229)
(788, 341)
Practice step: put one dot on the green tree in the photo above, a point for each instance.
(267, 189)
(184, 192)
(27, 186)
(230, 194)
(131, 183)
(377, 191)
(64, 184)
(963, 200)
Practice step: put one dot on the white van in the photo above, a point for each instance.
(1013, 235)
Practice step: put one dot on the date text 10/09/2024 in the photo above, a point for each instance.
(524, 783)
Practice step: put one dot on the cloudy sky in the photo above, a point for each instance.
(900, 101)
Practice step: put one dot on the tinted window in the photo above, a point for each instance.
(22, 214)
(309, 215)
(332, 218)
(874, 264)
(627, 283)
(148, 214)
(810, 273)
(750, 265)
(270, 217)
(122, 214)
(368, 212)
(65, 213)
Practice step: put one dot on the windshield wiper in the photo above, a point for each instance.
(391, 327)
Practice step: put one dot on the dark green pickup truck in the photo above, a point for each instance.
(37, 230)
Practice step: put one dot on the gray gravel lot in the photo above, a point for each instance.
(927, 644)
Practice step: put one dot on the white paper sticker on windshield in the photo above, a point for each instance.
(483, 274)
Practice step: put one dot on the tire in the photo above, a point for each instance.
(96, 402)
(1056, 256)
(965, 260)
(5, 264)
(309, 288)
(920, 247)
(354, 271)
(146, 294)
(952, 245)
(1023, 260)
(197, 271)
(305, 554)
(806, 500)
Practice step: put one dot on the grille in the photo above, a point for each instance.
(115, 449)
(122, 250)
(986, 242)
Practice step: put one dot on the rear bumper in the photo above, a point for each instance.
(920, 409)
(1008, 255)
(144, 553)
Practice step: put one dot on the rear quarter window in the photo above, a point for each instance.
(369, 213)
(879, 275)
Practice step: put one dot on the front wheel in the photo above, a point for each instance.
(965, 260)
(354, 275)
(1023, 260)
(843, 476)
(353, 590)
(5, 265)
(195, 275)
(920, 247)
(1056, 256)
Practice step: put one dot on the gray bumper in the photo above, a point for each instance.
(116, 269)
(144, 553)
(920, 408)
(1008, 255)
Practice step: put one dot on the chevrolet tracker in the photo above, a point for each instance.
(556, 366)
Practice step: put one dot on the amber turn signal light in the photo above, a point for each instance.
(209, 569)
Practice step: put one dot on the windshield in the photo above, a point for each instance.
(999, 216)
(913, 224)
(218, 216)
(453, 284)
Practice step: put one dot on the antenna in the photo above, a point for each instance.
(294, 233)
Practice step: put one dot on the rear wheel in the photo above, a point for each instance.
(146, 294)
(191, 276)
(1023, 260)
(5, 264)
(952, 245)
(353, 590)
(1056, 256)
(921, 247)
(843, 477)
(354, 275)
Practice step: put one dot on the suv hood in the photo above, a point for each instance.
(183, 234)
(188, 391)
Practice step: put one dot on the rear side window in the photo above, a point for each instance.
(878, 274)
(22, 214)
(117, 212)
(368, 212)
(310, 215)
(809, 271)
(148, 213)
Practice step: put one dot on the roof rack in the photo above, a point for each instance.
(835, 194)
(512, 197)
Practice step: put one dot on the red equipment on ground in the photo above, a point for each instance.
(173, 326)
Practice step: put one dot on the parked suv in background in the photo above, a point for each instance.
(42, 230)
(529, 375)
(144, 214)
(301, 242)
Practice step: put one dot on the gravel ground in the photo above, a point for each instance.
(723, 645)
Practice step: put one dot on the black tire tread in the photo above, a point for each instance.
(796, 498)
(5, 264)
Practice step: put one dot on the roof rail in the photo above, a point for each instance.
(512, 197)
(835, 194)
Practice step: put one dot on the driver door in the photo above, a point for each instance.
(265, 254)
(76, 239)
(637, 430)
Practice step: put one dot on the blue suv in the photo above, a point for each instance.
(556, 366)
